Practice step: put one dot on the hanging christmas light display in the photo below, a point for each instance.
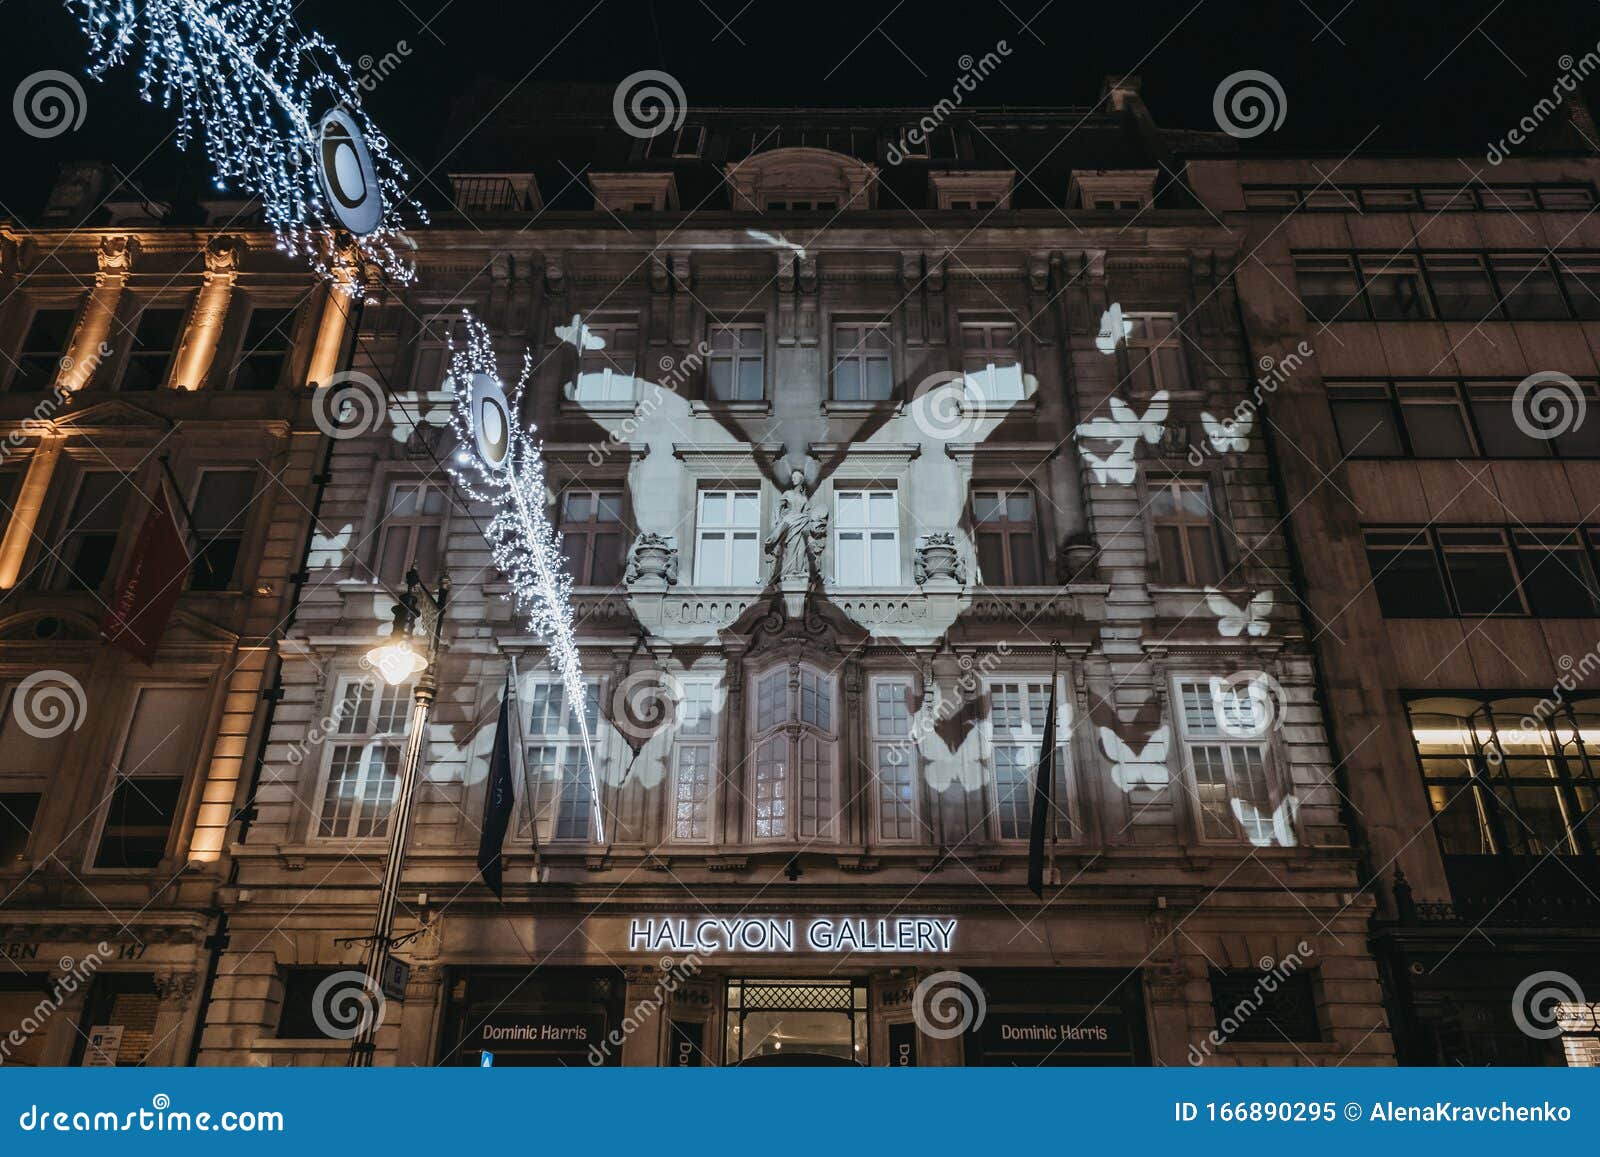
(500, 463)
(278, 112)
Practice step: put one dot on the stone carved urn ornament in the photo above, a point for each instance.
(938, 560)
(652, 562)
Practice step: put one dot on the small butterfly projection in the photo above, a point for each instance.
(1114, 330)
(1118, 466)
(1233, 620)
(1225, 436)
(577, 335)
(777, 239)
(1125, 421)
(1264, 830)
(1131, 769)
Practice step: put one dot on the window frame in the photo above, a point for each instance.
(244, 354)
(610, 368)
(412, 525)
(1211, 524)
(1468, 394)
(186, 777)
(16, 366)
(710, 744)
(732, 531)
(1427, 539)
(1136, 342)
(1273, 774)
(1027, 740)
(793, 731)
(133, 352)
(1488, 769)
(736, 357)
(594, 528)
(53, 577)
(237, 530)
(371, 740)
(863, 358)
(1003, 491)
(985, 377)
(544, 819)
(869, 532)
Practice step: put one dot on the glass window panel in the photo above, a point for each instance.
(1528, 286)
(1462, 288)
(1481, 573)
(1405, 575)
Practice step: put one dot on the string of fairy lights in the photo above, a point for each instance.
(279, 114)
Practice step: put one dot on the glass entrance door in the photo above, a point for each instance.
(796, 1022)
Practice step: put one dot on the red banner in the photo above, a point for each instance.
(151, 582)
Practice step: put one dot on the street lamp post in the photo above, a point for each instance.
(397, 662)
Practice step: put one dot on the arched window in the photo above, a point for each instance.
(795, 795)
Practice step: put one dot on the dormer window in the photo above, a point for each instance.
(487, 194)
(634, 192)
(1112, 190)
(973, 190)
(690, 142)
(801, 180)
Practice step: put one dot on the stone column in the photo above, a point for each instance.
(419, 1016)
(30, 501)
(204, 330)
(644, 1018)
(90, 345)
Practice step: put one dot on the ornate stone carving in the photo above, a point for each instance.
(176, 987)
(938, 556)
(222, 254)
(116, 255)
(652, 562)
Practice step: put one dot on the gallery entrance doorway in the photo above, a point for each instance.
(796, 1022)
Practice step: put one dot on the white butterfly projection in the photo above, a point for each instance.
(1234, 620)
(778, 240)
(1125, 427)
(1118, 466)
(1225, 436)
(1131, 769)
(1264, 830)
(1114, 330)
(578, 336)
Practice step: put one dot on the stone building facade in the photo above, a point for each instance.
(135, 350)
(1437, 452)
(980, 399)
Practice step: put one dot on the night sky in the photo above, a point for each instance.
(1396, 74)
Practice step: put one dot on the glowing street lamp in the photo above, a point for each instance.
(400, 661)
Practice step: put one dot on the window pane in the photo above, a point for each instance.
(1406, 575)
(1528, 286)
(1328, 288)
(1497, 425)
(1556, 577)
(1480, 573)
(1366, 427)
(1462, 288)
(1394, 289)
(1435, 423)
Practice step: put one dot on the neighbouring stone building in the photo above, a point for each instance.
(1438, 457)
(133, 350)
(977, 393)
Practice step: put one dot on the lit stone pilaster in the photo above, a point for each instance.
(90, 345)
(25, 514)
(204, 331)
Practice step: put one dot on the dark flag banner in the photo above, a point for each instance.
(150, 584)
(498, 801)
(1044, 778)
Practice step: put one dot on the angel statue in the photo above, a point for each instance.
(798, 534)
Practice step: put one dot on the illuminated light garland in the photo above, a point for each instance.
(500, 463)
(269, 104)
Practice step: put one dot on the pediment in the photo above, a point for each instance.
(111, 413)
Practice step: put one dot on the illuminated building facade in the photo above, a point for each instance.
(136, 351)
(1438, 455)
(828, 430)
